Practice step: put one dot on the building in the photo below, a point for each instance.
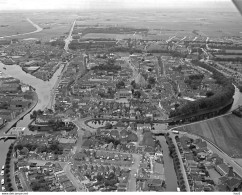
(123, 93)
(18, 131)
(222, 169)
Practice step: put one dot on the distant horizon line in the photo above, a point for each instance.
(110, 9)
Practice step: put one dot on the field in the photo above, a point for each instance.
(11, 24)
(225, 132)
(54, 24)
(165, 23)
(162, 24)
(110, 36)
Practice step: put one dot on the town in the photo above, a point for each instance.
(87, 111)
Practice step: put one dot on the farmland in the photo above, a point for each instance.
(225, 132)
(11, 24)
(54, 24)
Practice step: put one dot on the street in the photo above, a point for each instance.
(134, 169)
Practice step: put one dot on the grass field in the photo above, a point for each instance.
(225, 132)
(12, 24)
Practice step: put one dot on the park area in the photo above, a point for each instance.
(225, 132)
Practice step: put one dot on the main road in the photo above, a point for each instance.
(69, 38)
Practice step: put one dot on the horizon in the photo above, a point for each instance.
(30, 5)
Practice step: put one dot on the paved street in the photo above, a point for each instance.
(75, 182)
(134, 169)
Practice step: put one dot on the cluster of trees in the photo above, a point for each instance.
(136, 94)
(110, 181)
(194, 81)
(151, 80)
(113, 30)
(7, 177)
(107, 67)
(58, 42)
(236, 59)
(55, 147)
(36, 113)
(217, 100)
(120, 85)
(177, 165)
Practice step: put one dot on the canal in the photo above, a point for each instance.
(170, 174)
(43, 90)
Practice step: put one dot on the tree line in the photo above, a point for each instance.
(215, 101)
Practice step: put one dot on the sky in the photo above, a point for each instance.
(102, 4)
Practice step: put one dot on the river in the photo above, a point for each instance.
(43, 90)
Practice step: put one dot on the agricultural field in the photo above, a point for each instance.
(54, 24)
(14, 23)
(165, 23)
(225, 132)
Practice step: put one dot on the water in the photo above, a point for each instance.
(170, 174)
(43, 88)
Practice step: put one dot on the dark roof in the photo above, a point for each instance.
(231, 183)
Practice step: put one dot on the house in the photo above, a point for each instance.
(222, 169)
(123, 93)
(230, 181)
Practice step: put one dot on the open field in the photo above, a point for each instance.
(54, 24)
(173, 22)
(162, 24)
(11, 24)
(224, 131)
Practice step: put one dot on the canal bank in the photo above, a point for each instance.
(41, 99)
(12, 123)
(42, 88)
(170, 174)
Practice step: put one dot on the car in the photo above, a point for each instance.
(2, 172)
(3, 188)
(3, 167)
(2, 181)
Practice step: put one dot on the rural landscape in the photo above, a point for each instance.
(119, 96)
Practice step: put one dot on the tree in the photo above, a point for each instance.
(209, 93)
(99, 178)
(151, 80)
(10, 189)
(120, 85)
(133, 84)
(137, 94)
(108, 125)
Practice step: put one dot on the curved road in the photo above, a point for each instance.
(38, 29)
